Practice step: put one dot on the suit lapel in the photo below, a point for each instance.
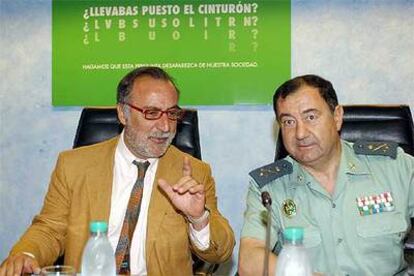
(99, 182)
(168, 169)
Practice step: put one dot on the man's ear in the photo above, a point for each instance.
(338, 116)
(121, 113)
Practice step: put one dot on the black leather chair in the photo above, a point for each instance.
(388, 123)
(99, 124)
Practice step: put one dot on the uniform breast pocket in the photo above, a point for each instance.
(313, 243)
(311, 238)
(379, 231)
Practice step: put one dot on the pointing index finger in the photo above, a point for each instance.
(187, 170)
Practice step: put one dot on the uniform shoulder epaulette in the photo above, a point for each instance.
(270, 172)
(376, 148)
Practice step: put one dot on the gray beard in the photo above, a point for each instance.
(142, 149)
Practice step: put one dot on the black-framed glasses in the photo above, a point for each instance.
(174, 113)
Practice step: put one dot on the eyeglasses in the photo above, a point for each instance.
(174, 113)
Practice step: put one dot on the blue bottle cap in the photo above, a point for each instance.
(293, 233)
(98, 226)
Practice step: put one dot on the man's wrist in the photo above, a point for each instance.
(201, 219)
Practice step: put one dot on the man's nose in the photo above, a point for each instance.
(163, 123)
(301, 130)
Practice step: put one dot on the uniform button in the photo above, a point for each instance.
(333, 205)
(338, 241)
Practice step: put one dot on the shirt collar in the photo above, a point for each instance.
(350, 161)
(299, 175)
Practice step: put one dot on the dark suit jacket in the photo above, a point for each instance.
(80, 191)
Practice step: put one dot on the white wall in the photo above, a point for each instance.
(366, 48)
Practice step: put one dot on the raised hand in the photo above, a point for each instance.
(187, 194)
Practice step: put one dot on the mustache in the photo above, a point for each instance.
(305, 143)
(161, 135)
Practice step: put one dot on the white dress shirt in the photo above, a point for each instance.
(125, 175)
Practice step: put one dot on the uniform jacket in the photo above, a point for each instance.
(340, 237)
(80, 191)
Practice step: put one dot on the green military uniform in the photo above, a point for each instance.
(359, 230)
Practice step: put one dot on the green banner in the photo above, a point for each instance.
(219, 52)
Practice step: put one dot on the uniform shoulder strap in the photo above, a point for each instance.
(376, 148)
(270, 172)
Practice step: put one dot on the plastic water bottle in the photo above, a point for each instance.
(98, 256)
(293, 259)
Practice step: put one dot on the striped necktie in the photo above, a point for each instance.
(131, 217)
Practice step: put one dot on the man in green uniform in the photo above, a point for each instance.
(354, 201)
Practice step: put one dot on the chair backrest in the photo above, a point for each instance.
(99, 124)
(388, 123)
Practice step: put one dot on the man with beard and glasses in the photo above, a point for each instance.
(353, 200)
(177, 206)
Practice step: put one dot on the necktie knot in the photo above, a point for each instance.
(142, 168)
